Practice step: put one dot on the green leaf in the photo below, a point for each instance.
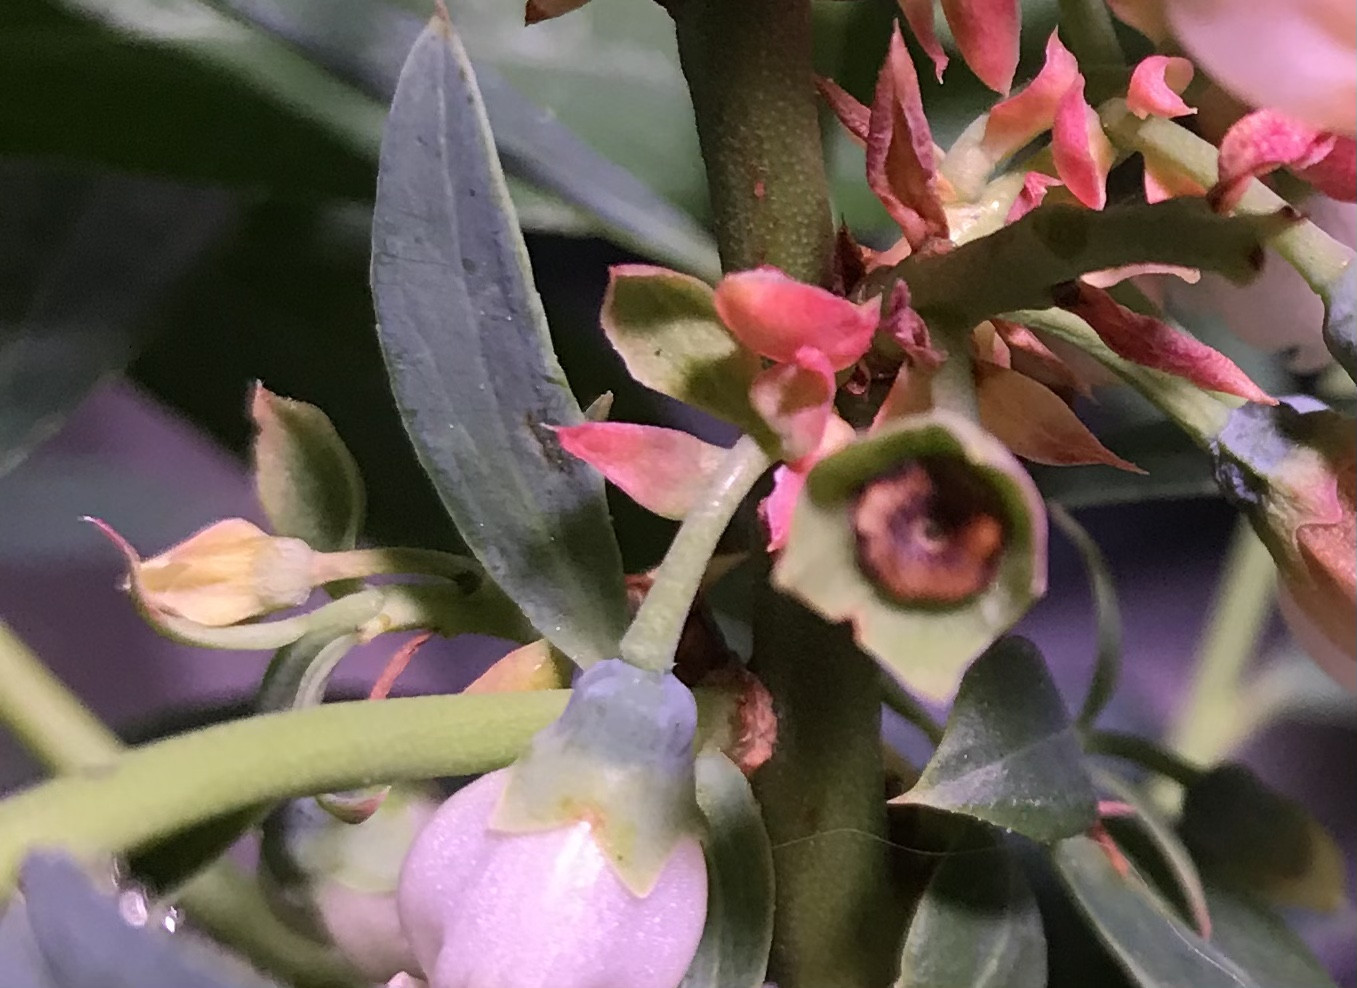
(733, 952)
(977, 925)
(923, 644)
(1009, 755)
(665, 327)
(1340, 320)
(306, 478)
(1247, 836)
(1257, 939)
(87, 261)
(1152, 945)
(471, 364)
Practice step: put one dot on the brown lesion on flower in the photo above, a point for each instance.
(929, 532)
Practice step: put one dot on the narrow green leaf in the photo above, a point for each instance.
(1152, 945)
(471, 364)
(1107, 613)
(1257, 939)
(1340, 320)
(664, 324)
(1247, 836)
(733, 952)
(977, 925)
(306, 478)
(1009, 755)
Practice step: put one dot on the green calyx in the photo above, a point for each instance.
(925, 623)
(620, 758)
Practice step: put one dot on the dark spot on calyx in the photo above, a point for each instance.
(929, 532)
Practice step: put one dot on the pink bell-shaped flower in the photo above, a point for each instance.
(580, 866)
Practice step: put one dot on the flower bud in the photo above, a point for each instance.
(1293, 469)
(229, 572)
(578, 867)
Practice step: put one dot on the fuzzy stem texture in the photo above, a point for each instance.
(748, 65)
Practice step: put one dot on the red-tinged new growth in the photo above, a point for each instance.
(663, 470)
(986, 32)
(1083, 154)
(1151, 343)
(901, 166)
(1031, 111)
(1263, 141)
(919, 17)
(1157, 85)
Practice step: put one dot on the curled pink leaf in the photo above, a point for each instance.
(855, 118)
(901, 165)
(1108, 277)
(776, 509)
(907, 328)
(796, 399)
(1156, 87)
(986, 31)
(776, 316)
(1032, 420)
(1031, 111)
(663, 470)
(1031, 356)
(1259, 143)
(1083, 154)
(1336, 173)
(1035, 185)
(919, 17)
(1151, 343)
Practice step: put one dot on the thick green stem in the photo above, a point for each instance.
(748, 66)
(1318, 257)
(1086, 27)
(1145, 753)
(653, 637)
(953, 383)
(837, 919)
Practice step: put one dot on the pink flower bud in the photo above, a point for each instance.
(487, 909)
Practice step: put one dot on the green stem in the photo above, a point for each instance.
(1318, 257)
(395, 561)
(837, 919)
(1143, 752)
(45, 717)
(171, 785)
(748, 66)
(51, 723)
(953, 383)
(1199, 414)
(652, 639)
(1107, 663)
(1206, 727)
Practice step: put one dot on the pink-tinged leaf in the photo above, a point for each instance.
(855, 118)
(1151, 343)
(776, 316)
(1336, 173)
(919, 17)
(776, 509)
(663, 470)
(986, 31)
(1146, 16)
(1262, 142)
(796, 399)
(1015, 121)
(901, 165)
(1030, 356)
(1032, 420)
(1083, 154)
(1156, 85)
(1163, 181)
(1108, 277)
(1035, 185)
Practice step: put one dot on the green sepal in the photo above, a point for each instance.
(926, 648)
(621, 758)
